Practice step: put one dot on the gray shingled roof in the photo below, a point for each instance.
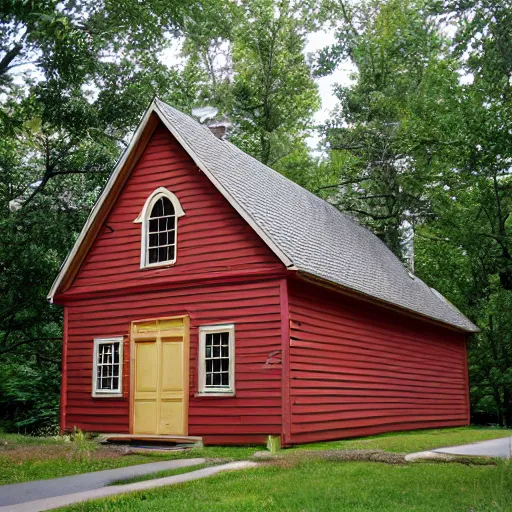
(313, 234)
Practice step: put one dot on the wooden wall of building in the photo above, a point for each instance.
(358, 369)
(216, 249)
(253, 307)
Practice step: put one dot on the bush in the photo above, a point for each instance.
(29, 397)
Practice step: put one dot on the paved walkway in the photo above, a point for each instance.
(12, 494)
(69, 499)
(494, 448)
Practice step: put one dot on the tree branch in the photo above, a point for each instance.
(25, 342)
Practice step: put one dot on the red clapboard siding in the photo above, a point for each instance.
(249, 417)
(215, 247)
(212, 237)
(357, 369)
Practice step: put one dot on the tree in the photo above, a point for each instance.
(75, 83)
(382, 150)
(261, 79)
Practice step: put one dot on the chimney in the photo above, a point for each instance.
(220, 128)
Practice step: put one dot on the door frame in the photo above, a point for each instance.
(186, 367)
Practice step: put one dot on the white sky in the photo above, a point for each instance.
(316, 42)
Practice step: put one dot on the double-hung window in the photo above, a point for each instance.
(107, 368)
(217, 360)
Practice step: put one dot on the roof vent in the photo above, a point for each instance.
(209, 116)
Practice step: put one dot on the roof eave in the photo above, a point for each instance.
(307, 276)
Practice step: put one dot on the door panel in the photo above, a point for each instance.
(171, 417)
(172, 367)
(147, 360)
(160, 371)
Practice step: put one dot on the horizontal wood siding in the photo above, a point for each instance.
(212, 237)
(249, 417)
(357, 369)
(224, 273)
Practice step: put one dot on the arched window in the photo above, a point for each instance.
(161, 232)
(159, 219)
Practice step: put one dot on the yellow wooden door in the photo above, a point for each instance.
(160, 376)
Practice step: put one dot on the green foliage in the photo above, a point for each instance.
(261, 80)
(74, 83)
(382, 139)
(329, 486)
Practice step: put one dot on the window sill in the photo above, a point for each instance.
(216, 394)
(107, 395)
(158, 265)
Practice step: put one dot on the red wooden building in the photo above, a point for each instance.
(207, 295)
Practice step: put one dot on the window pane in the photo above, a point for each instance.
(157, 210)
(162, 224)
(162, 254)
(153, 240)
(153, 226)
(168, 208)
(161, 232)
(108, 368)
(153, 255)
(162, 238)
(216, 360)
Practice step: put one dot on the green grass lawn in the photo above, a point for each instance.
(415, 441)
(24, 458)
(330, 486)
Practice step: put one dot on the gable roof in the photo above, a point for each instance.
(305, 232)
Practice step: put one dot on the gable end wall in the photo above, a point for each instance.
(224, 273)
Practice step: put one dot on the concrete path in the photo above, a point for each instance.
(12, 494)
(494, 448)
(69, 499)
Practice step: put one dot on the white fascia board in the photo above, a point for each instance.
(97, 206)
(113, 178)
(231, 200)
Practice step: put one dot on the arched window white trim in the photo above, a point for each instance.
(163, 225)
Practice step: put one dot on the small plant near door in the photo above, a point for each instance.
(81, 445)
(273, 444)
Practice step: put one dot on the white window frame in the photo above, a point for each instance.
(143, 219)
(218, 391)
(107, 393)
